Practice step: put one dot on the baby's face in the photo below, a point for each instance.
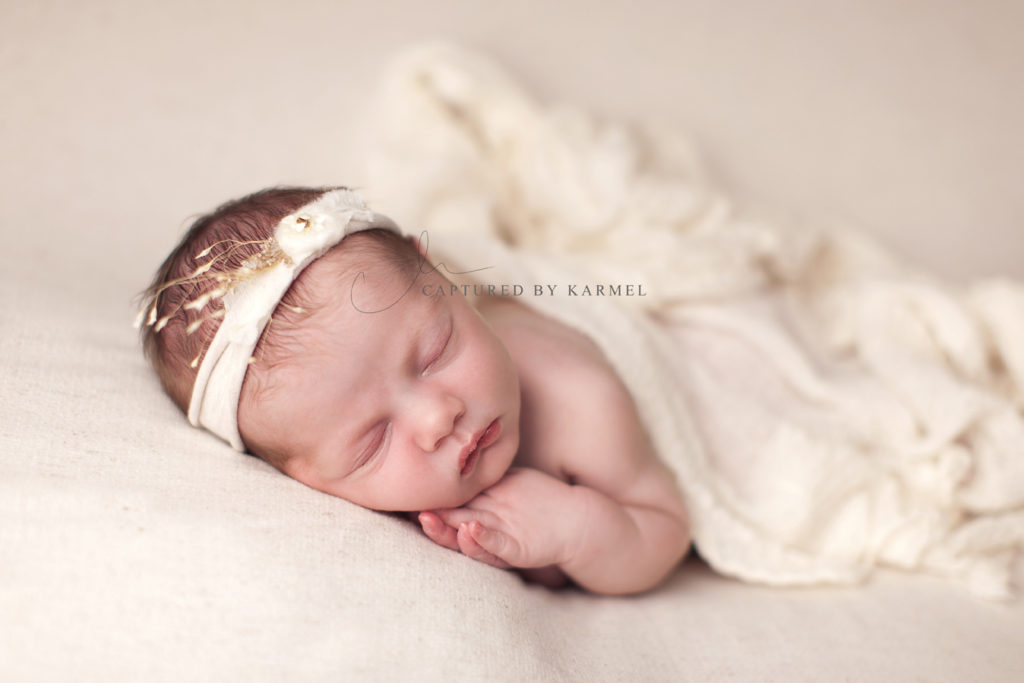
(387, 409)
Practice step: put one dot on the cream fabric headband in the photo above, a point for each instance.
(251, 298)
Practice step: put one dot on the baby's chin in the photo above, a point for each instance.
(461, 497)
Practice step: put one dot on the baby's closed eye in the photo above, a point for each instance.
(441, 348)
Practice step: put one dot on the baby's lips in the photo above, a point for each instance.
(490, 435)
(470, 464)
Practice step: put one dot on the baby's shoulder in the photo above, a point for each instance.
(547, 351)
(578, 419)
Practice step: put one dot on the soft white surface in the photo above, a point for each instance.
(135, 547)
(138, 548)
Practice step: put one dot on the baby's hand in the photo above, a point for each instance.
(458, 539)
(528, 519)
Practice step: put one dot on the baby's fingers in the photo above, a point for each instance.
(470, 548)
(456, 517)
(437, 531)
(499, 544)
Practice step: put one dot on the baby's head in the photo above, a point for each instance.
(298, 325)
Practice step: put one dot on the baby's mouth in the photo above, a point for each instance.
(470, 465)
(486, 438)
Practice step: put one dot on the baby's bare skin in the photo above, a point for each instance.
(388, 389)
(586, 495)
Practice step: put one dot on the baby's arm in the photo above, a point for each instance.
(532, 520)
(627, 547)
(636, 528)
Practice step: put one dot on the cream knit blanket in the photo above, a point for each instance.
(825, 407)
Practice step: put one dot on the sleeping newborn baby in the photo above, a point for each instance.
(303, 328)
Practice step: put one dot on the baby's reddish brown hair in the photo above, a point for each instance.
(237, 230)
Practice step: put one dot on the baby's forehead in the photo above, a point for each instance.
(341, 274)
(361, 287)
(341, 344)
(356, 253)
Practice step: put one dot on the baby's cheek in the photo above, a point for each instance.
(499, 369)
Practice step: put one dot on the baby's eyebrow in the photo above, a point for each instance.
(433, 311)
(421, 325)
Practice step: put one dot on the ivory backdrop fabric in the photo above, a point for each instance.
(134, 547)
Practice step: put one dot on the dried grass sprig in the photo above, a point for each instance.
(210, 281)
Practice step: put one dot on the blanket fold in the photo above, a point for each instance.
(825, 407)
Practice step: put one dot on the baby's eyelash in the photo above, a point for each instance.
(375, 447)
(436, 355)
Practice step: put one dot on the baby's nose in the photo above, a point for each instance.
(437, 418)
